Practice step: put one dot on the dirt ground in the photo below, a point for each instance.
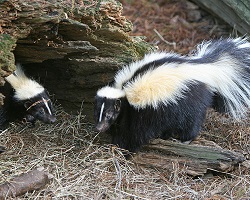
(174, 25)
(85, 168)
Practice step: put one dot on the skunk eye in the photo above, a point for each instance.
(46, 92)
(117, 104)
(42, 112)
(108, 116)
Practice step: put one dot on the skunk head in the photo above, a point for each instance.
(39, 108)
(32, 97)
(108, 103)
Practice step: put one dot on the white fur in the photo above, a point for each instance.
(242, 42)
(127, 72)
(205, 47)
(166, 84)
(47, 105)
(110, 92)
(24, 87)
(202, 49)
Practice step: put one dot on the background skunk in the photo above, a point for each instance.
(25, 99)
(167, 95)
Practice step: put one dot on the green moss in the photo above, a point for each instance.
(7, 45)
(140, 46)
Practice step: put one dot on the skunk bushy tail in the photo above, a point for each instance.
(222, 65)
(231, 75)
(164, 78)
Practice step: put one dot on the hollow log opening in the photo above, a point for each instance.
(71, 52)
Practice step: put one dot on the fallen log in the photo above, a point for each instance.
(196, 159)
(32, 180)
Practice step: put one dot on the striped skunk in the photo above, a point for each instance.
(167, 95)
(25, 99)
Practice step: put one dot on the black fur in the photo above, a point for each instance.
(131, 127)
(111, 111)
(134, 127)
(14, 109)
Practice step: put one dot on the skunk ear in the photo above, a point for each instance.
(118, 104)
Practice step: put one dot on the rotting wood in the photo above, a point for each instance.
(196, 159)
(32, 180)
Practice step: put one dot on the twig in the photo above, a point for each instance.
(118, 172)
(167, 42)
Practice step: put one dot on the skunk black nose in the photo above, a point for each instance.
(102, 127)
(99, 127)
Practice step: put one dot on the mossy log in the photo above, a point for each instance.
(72, 47)
(196, 159)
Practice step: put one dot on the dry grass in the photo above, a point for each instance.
(85, 169)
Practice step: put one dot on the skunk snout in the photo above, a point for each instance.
(48, 119)
(101, 127)
(52, 119)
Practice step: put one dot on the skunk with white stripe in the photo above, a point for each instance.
(25, 99)
(167, 95)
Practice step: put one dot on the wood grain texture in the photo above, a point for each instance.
(197, 158)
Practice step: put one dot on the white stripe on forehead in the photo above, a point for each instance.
(110, 92)
(47, 106)
(102, 108)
